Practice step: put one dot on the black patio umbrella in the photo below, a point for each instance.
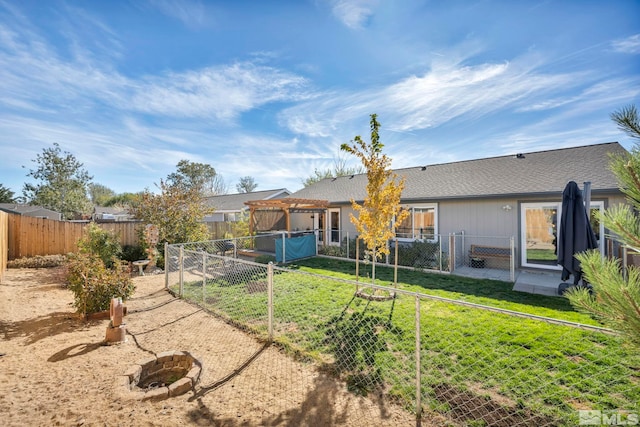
(575, 234)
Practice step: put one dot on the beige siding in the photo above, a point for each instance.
(479, 217)
(345, 220)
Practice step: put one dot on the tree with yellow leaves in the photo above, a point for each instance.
(375, 220)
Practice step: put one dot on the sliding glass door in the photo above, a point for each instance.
(539, 232)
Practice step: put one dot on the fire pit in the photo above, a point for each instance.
(168, 374)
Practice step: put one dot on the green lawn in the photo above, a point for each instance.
(493, 293)
(473, 362)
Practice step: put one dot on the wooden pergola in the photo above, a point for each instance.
(287, 206)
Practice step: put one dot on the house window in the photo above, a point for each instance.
(420, 224)
(334, 226)
(539, 233)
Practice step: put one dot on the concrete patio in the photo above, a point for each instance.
(530, 281)
(538, 282)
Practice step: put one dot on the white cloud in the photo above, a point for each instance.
(445, 92)
(36, 76)
(216, 92)
(191, 13)
(353, 13)
(629, 45)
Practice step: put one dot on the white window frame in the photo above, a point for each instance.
(329, 230)
(412, 208)
(595, 204)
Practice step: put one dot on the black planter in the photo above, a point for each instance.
(477, 262)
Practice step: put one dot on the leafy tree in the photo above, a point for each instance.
(6, 195)
(615, 296)
(382, 203)
(219, 186)
(122, 199)
(100, 194)
(64, 183)
(240, 227)
(177, 212)
(246, 185)
(340, 168)
(201, 177)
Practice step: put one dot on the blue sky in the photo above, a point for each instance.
(270, 89)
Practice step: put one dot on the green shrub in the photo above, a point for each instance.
(103, 243)
(38, 261)
(93, 284)
(160, 260)
(133, 253)
(265, 259)
(420, 255)
(347, 249)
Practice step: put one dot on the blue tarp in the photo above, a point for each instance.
(296, 247)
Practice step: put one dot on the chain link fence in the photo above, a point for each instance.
(445, 362)
(427, 254)
(474, 256)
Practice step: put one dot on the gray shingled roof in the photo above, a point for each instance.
(24, 209)
(235, 202)
(537, 173)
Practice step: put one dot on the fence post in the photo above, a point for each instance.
(316, 234)
(386, 257)
(166, 265)
(395, 264)
(204, 276)
(181, 264)
(284, 248)
(512, 265)
(270, 300)
(452, 252)
(348, 253)
(440, 253)
(357, 259)
(418, 363)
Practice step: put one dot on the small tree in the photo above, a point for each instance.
(246, 185)
(177, 212)
(382, 203)
(6, 195)
(122, 199)
(95, 274)
(240, 227)
(100, 194)
(200, 177)
(615, 299)
(94, 285)
(64, 183)
(102, 243)
(340, 168)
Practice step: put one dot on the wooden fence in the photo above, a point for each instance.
(28, 236)
(219, 230)
(4, 243)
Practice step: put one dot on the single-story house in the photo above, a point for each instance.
(231, 207)
(516, 197)
(29, 210)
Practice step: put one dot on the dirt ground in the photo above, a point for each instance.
(56, 370)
